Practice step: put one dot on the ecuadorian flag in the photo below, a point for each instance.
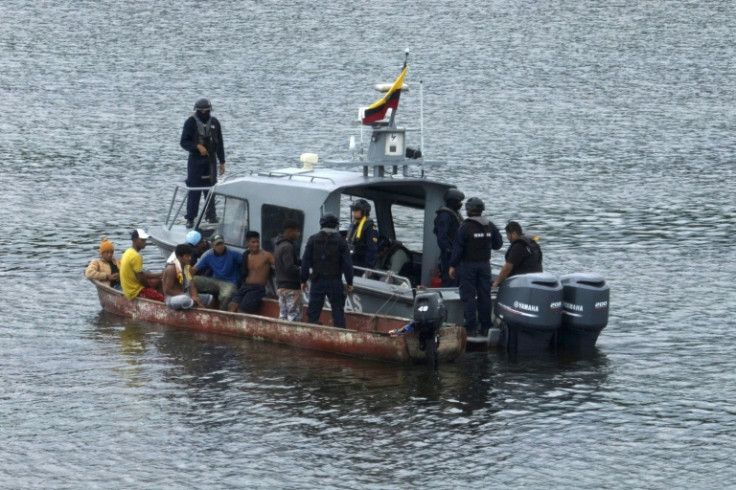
(378, 109)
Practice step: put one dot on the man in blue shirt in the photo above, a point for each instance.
(225, 267)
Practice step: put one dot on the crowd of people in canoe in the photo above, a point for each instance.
(201, 273)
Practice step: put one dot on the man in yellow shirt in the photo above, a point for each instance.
(134, 280)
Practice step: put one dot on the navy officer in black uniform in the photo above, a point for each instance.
(446, 223)
(202, 138)
(523, 256)
(363, 236)
(328, 256)
(471, 263)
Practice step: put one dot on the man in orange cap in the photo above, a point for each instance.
(105, 269)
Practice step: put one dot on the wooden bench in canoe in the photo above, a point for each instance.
(366, 335)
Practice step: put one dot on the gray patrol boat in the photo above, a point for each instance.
(389, 174)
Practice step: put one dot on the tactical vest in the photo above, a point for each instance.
(326, 255)
(533, 262)
(455, 223)
(359, 247)
(478, 242)
(205, 135)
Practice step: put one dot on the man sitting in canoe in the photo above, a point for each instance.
(179, 289)
(106, 269)
(255, 268)
(135, 280)
(225, 267)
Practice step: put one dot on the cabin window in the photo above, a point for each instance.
(235, 221)
(408, 226)
(272, 224)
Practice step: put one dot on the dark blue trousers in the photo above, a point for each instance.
(475, 293)
(197, 169)
(193, 206)
(335, 291)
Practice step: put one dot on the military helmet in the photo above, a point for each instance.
(454, 194)
(474, 204)
(328, 220)
(203, 105)
(362, 205)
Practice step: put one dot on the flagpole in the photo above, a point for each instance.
(421, 117)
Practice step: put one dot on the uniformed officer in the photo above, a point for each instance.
(363, 235)
(328, 256)
(523, 256)
(471, 263)
(446, 223)
(202, 138)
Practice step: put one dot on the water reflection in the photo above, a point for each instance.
(227, 380)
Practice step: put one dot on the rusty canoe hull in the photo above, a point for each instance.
(366, 335)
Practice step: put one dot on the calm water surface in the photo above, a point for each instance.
(607, 128)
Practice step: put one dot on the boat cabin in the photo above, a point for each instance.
(402, 205)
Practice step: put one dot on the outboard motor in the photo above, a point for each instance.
(429, 315)
(530, 307)
(585, 310)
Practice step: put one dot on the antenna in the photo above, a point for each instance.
(421, 117)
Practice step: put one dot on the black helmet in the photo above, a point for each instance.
(328, 220)
(203, 105)
(362, 205)
(454, 194)
(474, 204)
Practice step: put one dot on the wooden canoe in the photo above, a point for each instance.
(366, 335)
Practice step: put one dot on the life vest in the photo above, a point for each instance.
(357, 239)
(479, 237)
(533, 262)
(326, 255)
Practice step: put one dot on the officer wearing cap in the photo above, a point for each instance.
(363, 236)
(471, 264)
(327, 255)
(446, 223)
(202, 138)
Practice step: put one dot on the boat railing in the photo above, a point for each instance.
(389, 277)
(294, 176)
(171, 215)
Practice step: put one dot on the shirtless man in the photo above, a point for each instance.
(255, 269)
(178, 286)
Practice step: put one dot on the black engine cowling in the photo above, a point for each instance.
(530, 306)
(429, 315)
(585, 310)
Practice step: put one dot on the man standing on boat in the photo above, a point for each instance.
(446, 223)
(134, 280)
(363, 236)
(523, 256)
(471, 264)
(328, 256)
(202, 138)
(288, 272)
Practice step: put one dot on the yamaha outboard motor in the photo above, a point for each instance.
(429, 315)
(585, 310)
(530, 307)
